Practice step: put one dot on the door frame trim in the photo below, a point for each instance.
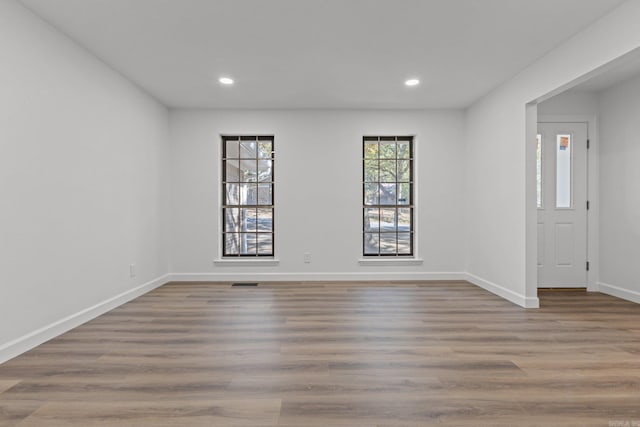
(592, 188)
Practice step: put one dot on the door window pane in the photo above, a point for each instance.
(539, 168)
(563, 171)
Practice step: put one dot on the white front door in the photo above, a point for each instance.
(562, 204)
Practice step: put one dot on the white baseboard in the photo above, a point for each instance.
(27, 342)
(626, 294)
(294, 277)
(509, 295)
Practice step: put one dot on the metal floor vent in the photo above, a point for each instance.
(244, 284)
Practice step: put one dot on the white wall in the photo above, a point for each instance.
(620, 190)
(83, 164)
(500, 170)
(318, 192)
(570, 103)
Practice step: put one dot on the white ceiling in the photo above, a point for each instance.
(319, 53)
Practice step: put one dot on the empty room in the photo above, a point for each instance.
(331, 213)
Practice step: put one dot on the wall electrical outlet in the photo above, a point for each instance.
(132, 270)
(307, 257)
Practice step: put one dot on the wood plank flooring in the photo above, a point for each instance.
(382, 354)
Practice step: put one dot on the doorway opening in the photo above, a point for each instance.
(607, 101)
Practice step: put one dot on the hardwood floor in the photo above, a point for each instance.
(335, 355)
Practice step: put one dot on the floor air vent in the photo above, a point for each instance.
(246, 285)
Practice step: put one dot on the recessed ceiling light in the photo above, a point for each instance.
(412, 82)
(226, 80)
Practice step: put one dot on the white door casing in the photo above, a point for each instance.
(562, 205)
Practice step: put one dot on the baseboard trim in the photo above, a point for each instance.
(27, 342)
(619, 292)
(294, 277)
(509, 295)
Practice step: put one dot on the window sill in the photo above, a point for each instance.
(266, 262)
(390, 261)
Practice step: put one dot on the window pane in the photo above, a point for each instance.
(563, 171)
(387, 220)
(232, 171)
(388, 243)
(231, 194)
(248, 220)
(387, 149)
(387, 171)
(387, 194)
(248, 170)
(370, 171)
(231, 244)
(403, 150)
(404, 194)
(232, 220)
(372, 219)
(371, 243)
(371, 194)
(371, 149)
(232, 150)
(265, 149)
(404, 172)
(248, 244)
(265, 243)
(404, 219)
(404, 243)
(539, 168)
(265, 220)
(248, 149)
(248, 194)
(264, 170)
(265, 196)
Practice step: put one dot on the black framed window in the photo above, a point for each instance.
(247, 188)
(387, 193)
